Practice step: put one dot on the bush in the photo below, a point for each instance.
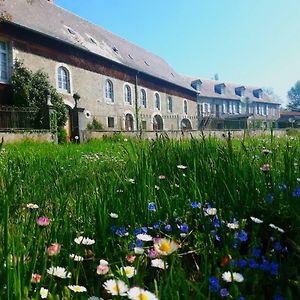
(95, 125)
(61, 135)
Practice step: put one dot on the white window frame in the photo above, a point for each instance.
(6, 53)
(68, 76)
(169, 104)
(109, 91)
(157, 102)
(143, 98)
(127, 88)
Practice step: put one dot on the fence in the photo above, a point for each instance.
(17, 118)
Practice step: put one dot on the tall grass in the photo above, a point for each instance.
(78, 186)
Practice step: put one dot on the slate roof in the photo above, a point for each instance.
(58, 23)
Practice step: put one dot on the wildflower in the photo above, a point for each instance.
(161, 177)
(156, 225)
(265, 266)
(214, 284)
(81, 240)
(233, 225)
(256, 252)
(157, 187)
(138, 250)
(43, 221)
(214, 233)
(139, 243)
(144, 229)
(277, 228)
(128, 271)
(168, 228)
(159, 263)
(256, 220)
(225, 260)
(296, 192)
(131, 258)
(165, 246)
(266, 151)
(243, 236)
(76, 257)
(43, 293)
(196, 205)
(230, 277)
(224, 292)
(59, 272)
(137, 293)
(152, 253)
(182, 167)
(274, 268)
(277, 246)
(265, 168)
(278, 297)
(210, 211)
(242, 263)
(114, 215)
(114, 228)
(144, 237)
(35, 278)
(132, 181)
(32, 206)
(184, 228)
(282, 187)
(270, 198)
(103, 267)
(253, 264)
(151, 206)
(54, 249)
(77, 288)
(116, 287)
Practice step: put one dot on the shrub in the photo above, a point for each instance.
(95, 125)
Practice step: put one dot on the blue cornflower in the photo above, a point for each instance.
(270, 198)
(242, 263)
(214, 233)
(224, 292)
(256, 252)
(168, 227)
(145, 229)
(113, 228)
(296, 192)
(265, 266)
(184, 228)
(155, 225)
(214, 284)
(130, 246)
(139, 243)
(253, 264)
(137, 231)
(278, 297)
(151, 206)
(235, 245)
(196, 204)
(122, 231)
(277, 246)
(243, 236)
(216, 222)
(274, 268)
(282, 187)
(241, 298)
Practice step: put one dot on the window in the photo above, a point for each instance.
(144, 125)
(3, 61)
(157, 101)
(127, 94)
(63, 79)
(143, 98)
(265, 110)
(205, 107)
(109, 90)
(111, 122)
(185, 106)
(170, 104)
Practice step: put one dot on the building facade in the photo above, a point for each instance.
(120, 84)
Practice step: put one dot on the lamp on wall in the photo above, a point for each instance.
(76, 98)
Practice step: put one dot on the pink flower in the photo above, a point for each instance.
(35, 278)
(43, 221)
(54, 249)
(265, 168)
(161, 177)
(152, 253)
(102, 269)
(131, 258)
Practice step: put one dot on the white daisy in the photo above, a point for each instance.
(159, 263)
(59, 272)
(182, 167)
(43, 293)
(116, 287)
(137, 293)
(132, 181)
(233, 225)
(76, 257)
(128, 271)
(114, 215)
(138, 250)
(277, 228)
(84, 240)
(210, 211)
(256, 220)
(32, 206)
(77, 288)
(165, 246)
(144, 237)
(230, 277)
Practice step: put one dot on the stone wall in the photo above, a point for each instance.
(19, 136)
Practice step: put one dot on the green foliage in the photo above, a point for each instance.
(31, 89)
(95, 125)
(294, 96)
(292, 132)
(61, 135)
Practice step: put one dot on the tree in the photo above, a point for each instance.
(32, 90)
(294, 96)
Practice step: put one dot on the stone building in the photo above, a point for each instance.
(120, 84)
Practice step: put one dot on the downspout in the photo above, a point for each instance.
(136, 102)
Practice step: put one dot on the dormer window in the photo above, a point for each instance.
(70, 30)
(220, 88)
(240, 91)
(116, 50)
(197, 84)
(257, 93)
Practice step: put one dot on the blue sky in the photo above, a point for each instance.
(255, 42)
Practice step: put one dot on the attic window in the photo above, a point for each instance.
(93, 41)
(220, 88)
(71, 31)
(129, 55)
(146, 63)
(115, 49)
(172, 74)
(257, 93)
(240, 91)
